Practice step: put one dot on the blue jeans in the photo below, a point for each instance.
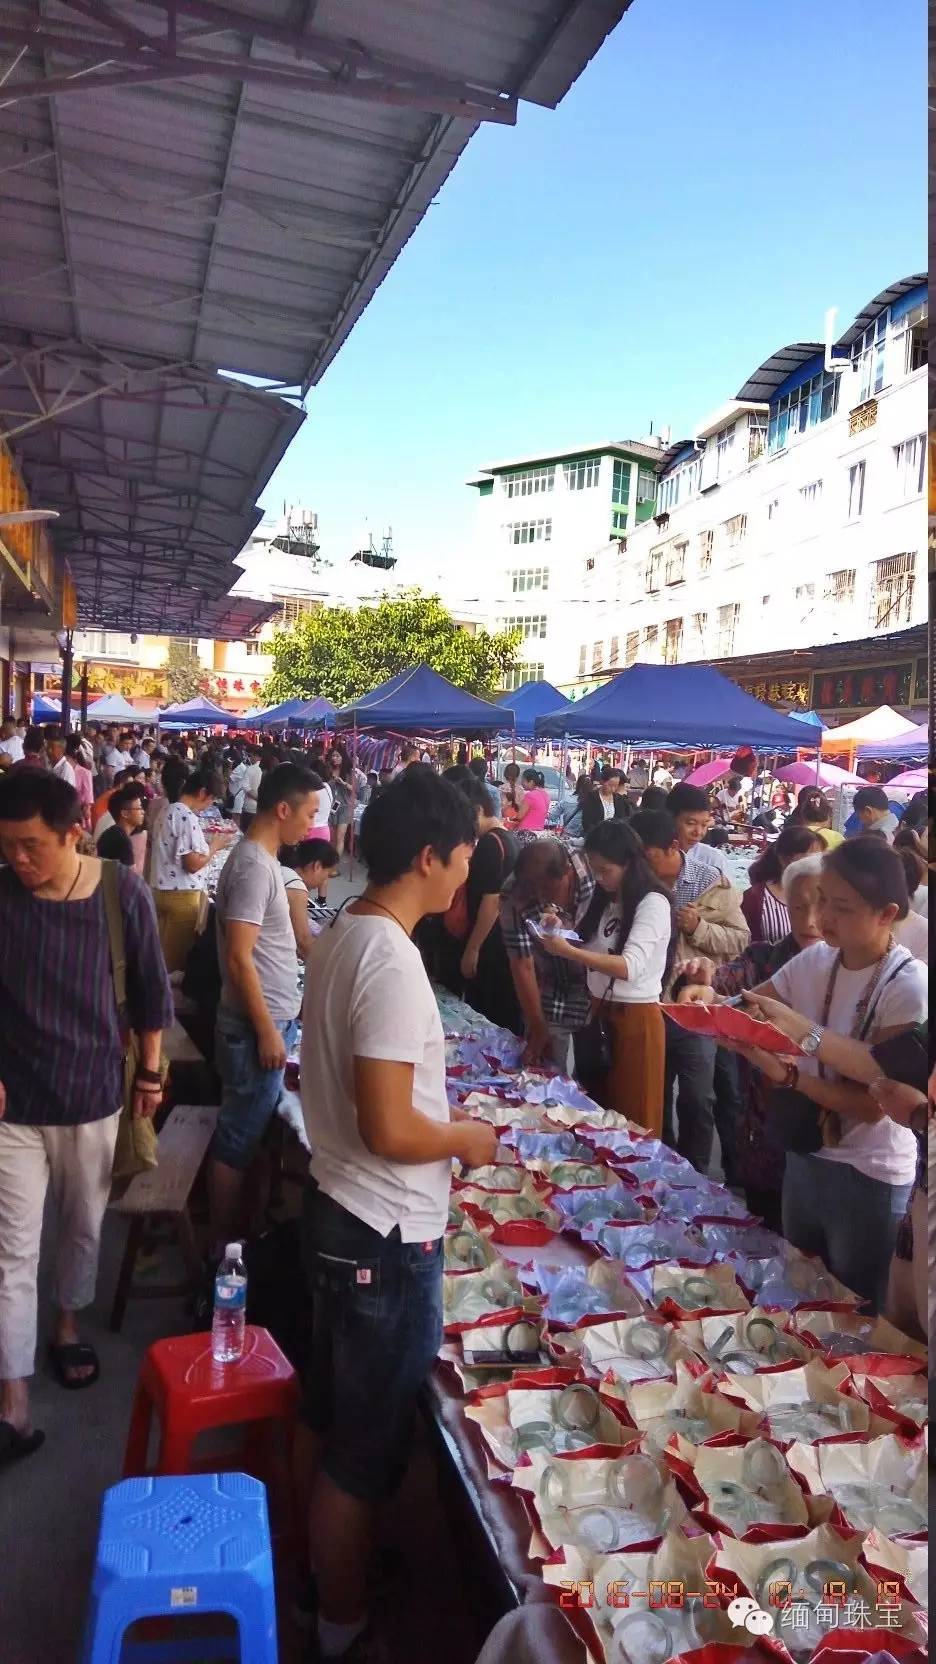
(249, 1094)
(690, 1062)
(376, 1330)
(849, 1220)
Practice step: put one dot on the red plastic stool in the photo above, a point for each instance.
(180, 1380)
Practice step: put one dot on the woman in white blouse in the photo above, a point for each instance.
(627, 929)
(844, 1198)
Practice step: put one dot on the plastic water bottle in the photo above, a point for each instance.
(230, 1307)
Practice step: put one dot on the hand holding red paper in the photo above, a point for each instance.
(730, 1026)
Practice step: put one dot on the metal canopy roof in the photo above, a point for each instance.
(762, 385)
(189, 186)
(886, 297)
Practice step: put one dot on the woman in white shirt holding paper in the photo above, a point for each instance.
(627, 929)
(844, 1198)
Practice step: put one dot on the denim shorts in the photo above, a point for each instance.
(376, 1330)
(249, 1094)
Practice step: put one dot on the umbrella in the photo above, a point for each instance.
(826, 774)
(706, 773)
(912, 780)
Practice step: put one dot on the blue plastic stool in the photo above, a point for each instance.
(170, 1546)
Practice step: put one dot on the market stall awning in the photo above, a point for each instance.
(883, 724)
(113, 706)
(190, 187)
(673, 705)
(199, 713)
(277, 716)
(816, 773)
(530, 700)
(914, 743)
(420, 701)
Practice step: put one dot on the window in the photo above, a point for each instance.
(582, 475)
(810, 495)
(530, 482)
(631, 647)
(910, 457)
(773, 509)
(532, 626)
(706, 541)
(614, 656)
(646, 485)
(910, 332)
(856, 485)
(620, 482)
(618, 521)
(840, 586)
(805, 594)
(255, 648)
(597, 656)
(727, 627)
(583, 660)
(892, 589)
(675, 569)
(757, 434)
(529, 531)
(735, 530)
(650, 643)
(724, 445)
(291, 609)
(812, 402)
(672, 640)
(524, 673)
(699, 629)
(679, 485)
(654, 562)
(868, 354)
(527, 578)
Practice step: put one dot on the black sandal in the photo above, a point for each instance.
(75, 1354)
(14, 1444)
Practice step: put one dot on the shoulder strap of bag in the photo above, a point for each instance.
(115, 931)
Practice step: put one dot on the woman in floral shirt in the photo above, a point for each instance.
(760, 1161)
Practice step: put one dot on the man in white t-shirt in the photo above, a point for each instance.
(179, 856)
(383, 1141)
(55, 751)
(11, 744)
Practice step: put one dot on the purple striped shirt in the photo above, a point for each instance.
(61, 1052)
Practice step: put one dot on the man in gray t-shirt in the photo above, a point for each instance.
(256, 1024)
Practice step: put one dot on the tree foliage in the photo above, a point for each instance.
(184, 674)
(340, 653)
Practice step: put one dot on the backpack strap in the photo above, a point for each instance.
(113, 913)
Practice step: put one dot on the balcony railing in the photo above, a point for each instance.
(863, 416)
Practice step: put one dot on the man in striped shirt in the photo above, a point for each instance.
(61, 1072)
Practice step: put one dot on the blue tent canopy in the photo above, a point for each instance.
(298, 712)
(278, 715)
(530, 700)
(46, 710)
(314, 713)
(676, 705)
(811, 717)
(420, 701)
(913, 744)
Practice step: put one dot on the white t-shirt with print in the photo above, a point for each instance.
(12, 748)
(178, 833)
(644, 952)
(881, 1149)
(367, 995)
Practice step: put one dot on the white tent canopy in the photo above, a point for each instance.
(883, 724)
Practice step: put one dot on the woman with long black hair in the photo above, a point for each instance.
(628, 931)
(764, 904)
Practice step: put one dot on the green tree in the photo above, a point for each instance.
(339, 653)
(184, 674)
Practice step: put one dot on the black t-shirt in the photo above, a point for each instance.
(114, 845)
(494, 858)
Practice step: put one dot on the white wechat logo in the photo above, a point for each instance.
(746, 1614)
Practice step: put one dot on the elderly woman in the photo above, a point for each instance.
(760, 1160)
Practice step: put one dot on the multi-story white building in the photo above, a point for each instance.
(795, 515)
(537, 515)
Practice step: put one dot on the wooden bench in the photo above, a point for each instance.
(163, 1193)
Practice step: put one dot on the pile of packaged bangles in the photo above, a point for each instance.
(721, 1458)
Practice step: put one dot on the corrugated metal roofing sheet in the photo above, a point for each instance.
(221, 184)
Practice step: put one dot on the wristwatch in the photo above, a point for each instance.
(812, 1041)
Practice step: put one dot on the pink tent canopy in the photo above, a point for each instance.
(913, 780)
(707, 772)
(807, 774)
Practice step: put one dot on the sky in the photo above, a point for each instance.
(719, 175)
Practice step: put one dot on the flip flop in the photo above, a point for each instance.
(76, 1355)
(13, 1443)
